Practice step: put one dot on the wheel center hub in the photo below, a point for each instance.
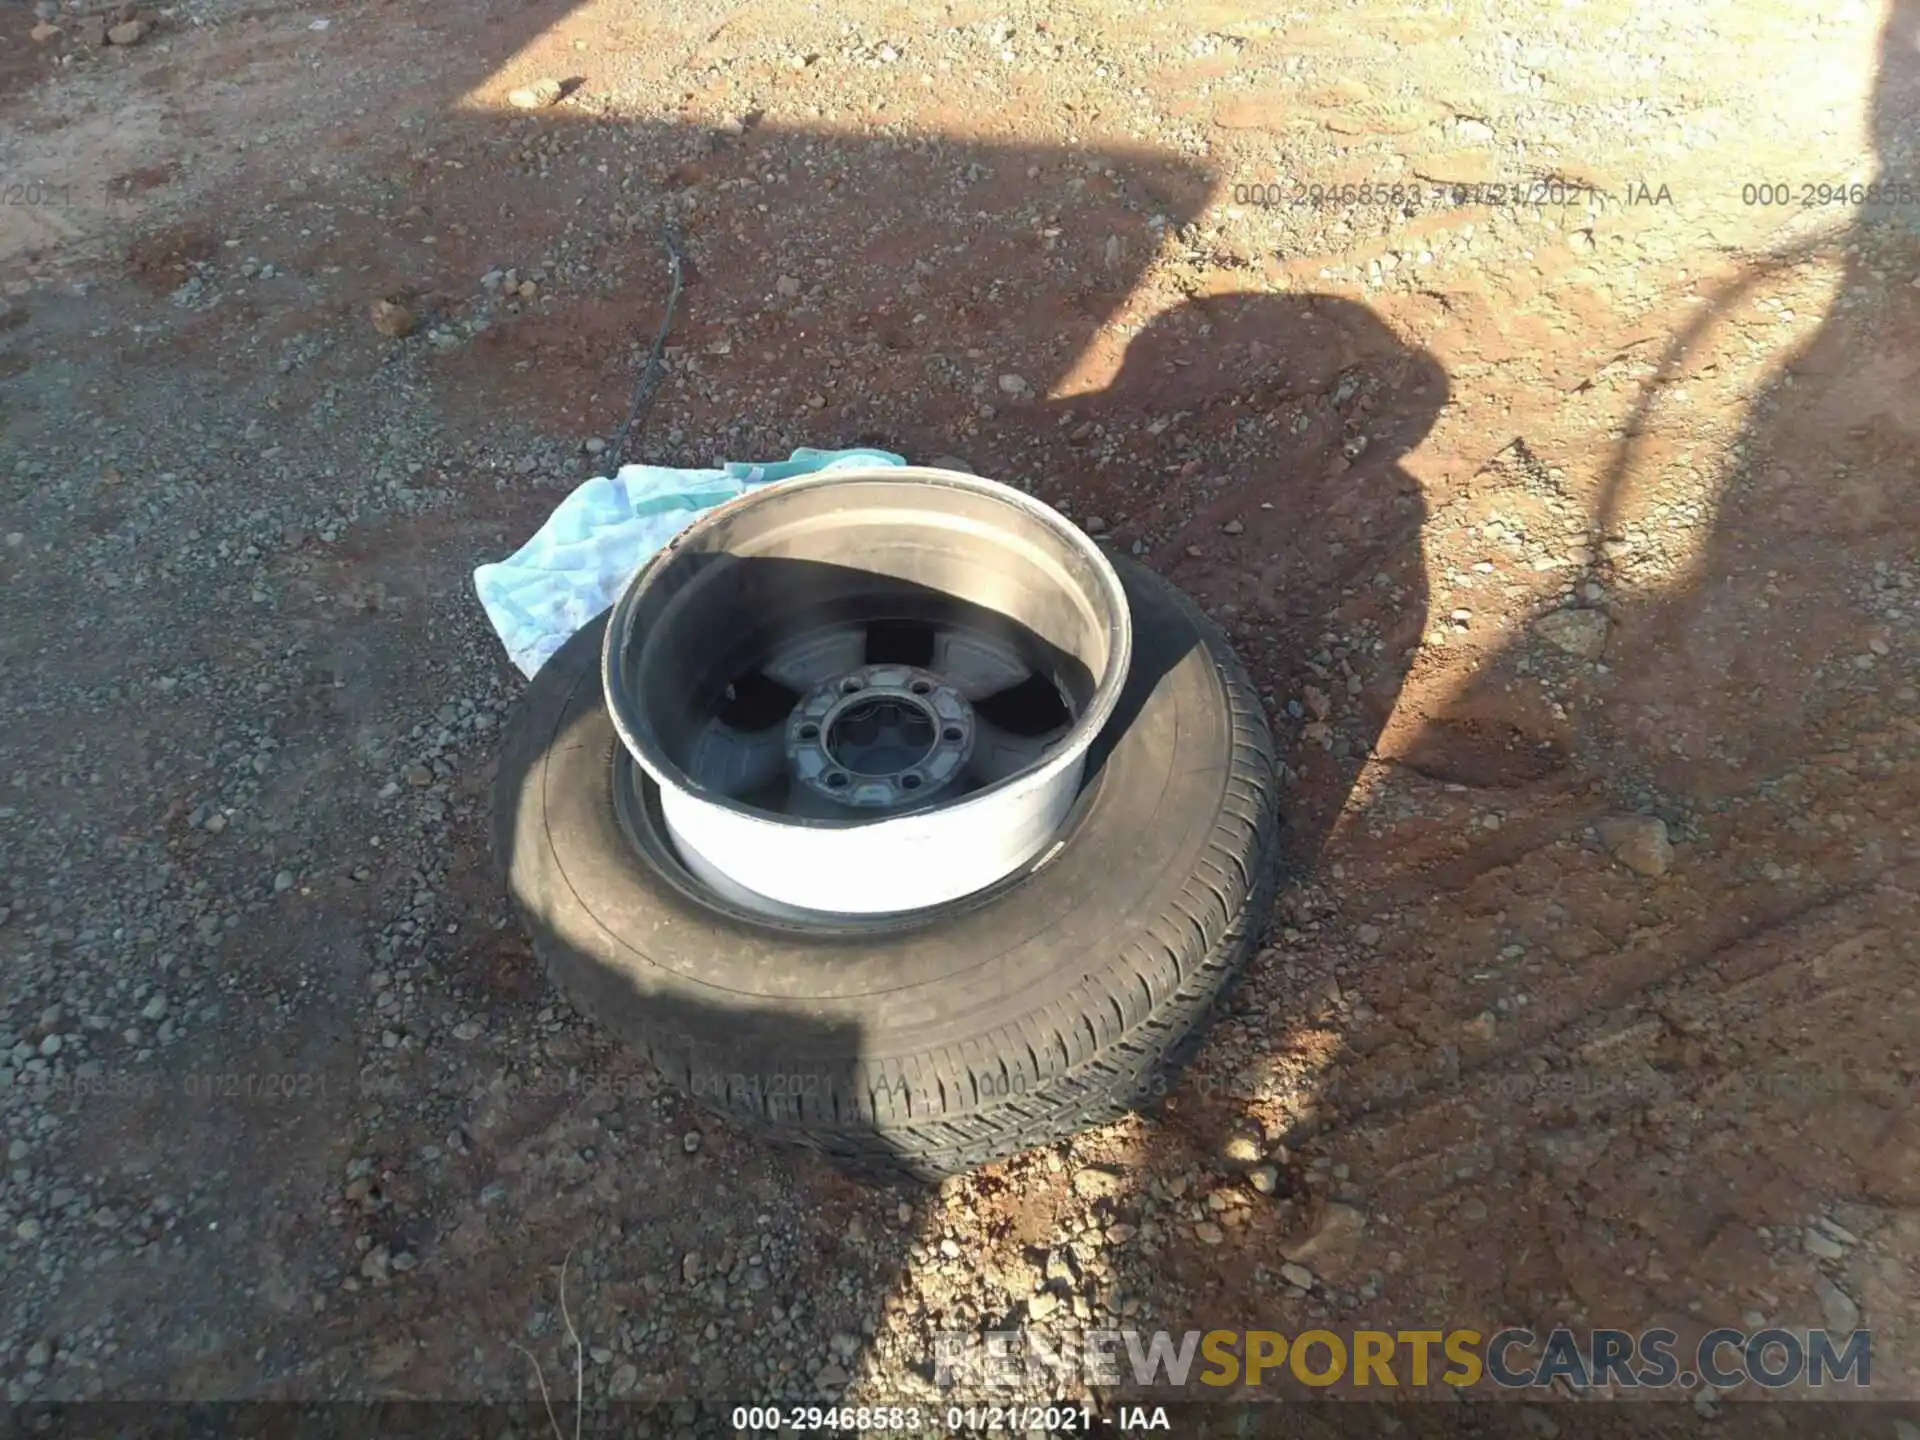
(880, 736)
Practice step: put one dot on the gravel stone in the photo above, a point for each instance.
(1580, 633)
(1638, 842)
(1842, 1314)
(1821, 1247)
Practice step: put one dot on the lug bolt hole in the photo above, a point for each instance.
(809, 732)
(909, 782)
(951, 735)
(921, 687)
(852, 683)
(836, 780)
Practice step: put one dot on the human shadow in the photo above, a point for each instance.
(1740, 670)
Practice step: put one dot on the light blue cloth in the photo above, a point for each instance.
(577, 564)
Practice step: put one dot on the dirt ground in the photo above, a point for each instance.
(1559, 487)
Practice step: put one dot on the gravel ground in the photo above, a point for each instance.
(1571, 542)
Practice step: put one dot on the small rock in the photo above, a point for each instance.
(950, 1249)
(595, 445)
(537, 96)
(1581, 633)
(1264, 1178)
(215, 823)
(787, 286)
(44, 32)
(1233, 527)
(283, 882)
(1638, 842)
(1297, 1276)
(467, 1030)
(1243, 1147)
(38, 1354)
(1042, 1305)
(392, 319)
(1820, 1246)
(1334, 1237)
(1095, 524)
(951, 462)
(419, 776)
(1838, 1231)
(1013, 384)
(690, 1266)
(1837, 1306)
(1095, 1184)
(128, 32)
(690, 1142)
(1538, 1422)
(1121, 1233)
(1209, 1233)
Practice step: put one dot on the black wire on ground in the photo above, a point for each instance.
(655, 370)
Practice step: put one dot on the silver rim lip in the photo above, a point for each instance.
(1068, 753)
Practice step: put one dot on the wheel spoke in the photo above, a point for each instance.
(974, 665)
(734, 762)
(807, 662)
(998, 753)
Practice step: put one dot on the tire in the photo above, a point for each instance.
(1059, 999)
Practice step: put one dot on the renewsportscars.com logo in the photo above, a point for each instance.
(1515, 1359)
